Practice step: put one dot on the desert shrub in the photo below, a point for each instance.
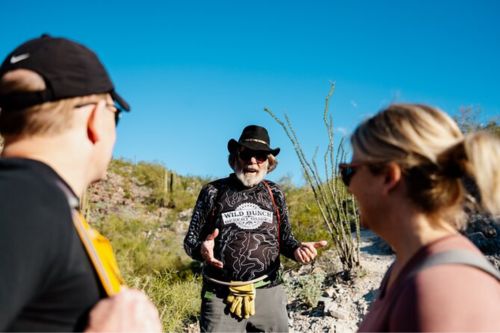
(306, 288)
(152, 176)
(178, 302)
(143, 247)
(493, 126)
(186, 190)
(304, 214)
(120, 167)
(468, 119)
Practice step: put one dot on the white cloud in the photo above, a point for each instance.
(341, 130)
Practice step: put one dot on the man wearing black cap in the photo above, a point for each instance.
(239, 229)
(58, 113)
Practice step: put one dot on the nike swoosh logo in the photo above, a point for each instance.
(15, 59)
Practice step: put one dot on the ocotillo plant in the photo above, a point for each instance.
(336, 205)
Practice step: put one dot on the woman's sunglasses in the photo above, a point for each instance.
(247, 154)
(347, 171)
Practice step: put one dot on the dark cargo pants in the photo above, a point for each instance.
(270, 311)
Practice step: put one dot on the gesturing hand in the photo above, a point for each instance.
(306, 252)
(207, 250)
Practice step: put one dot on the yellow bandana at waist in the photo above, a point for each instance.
(101, 255)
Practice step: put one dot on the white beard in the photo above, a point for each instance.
(250, 179)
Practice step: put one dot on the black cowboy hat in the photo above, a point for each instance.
(255, 138)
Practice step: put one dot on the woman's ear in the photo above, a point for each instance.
(393, 175)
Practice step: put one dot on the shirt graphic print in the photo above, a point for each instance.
(248, 216)
(249, 242)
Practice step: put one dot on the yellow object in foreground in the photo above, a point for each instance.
(101, 254)
(241, 300)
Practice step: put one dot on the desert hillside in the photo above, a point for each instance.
(145, 209)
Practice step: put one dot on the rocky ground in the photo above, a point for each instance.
(484, 232)
(342, 304)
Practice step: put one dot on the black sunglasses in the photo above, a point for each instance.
(347, 171)
(247, 154)
(112, 107)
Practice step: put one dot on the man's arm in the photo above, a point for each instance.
(198, 228)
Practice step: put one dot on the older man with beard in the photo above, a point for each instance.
(239, 229)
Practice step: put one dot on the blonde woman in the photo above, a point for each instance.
(412, 174)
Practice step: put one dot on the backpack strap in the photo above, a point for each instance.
(101, 255)
(461, 257)
(97, 247)
(266, 184)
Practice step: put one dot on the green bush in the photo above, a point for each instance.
(178, 302)
(120, 167)
(304, 215)
(186, 190)
(143, 247)
(152, 176)
(306, 288)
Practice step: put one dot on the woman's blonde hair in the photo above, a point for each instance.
(441, 166)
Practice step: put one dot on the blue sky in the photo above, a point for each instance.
(197, 72)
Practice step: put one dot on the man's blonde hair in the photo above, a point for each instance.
(47, 118)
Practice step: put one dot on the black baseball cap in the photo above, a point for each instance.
(68, 68)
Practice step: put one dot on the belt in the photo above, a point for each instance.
(258, 282)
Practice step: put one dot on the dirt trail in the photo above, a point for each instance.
(344, 304)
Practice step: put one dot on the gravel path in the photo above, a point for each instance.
(343, 304)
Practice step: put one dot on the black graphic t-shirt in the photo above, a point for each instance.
(249, 241)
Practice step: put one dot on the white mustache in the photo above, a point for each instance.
(248, 178)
